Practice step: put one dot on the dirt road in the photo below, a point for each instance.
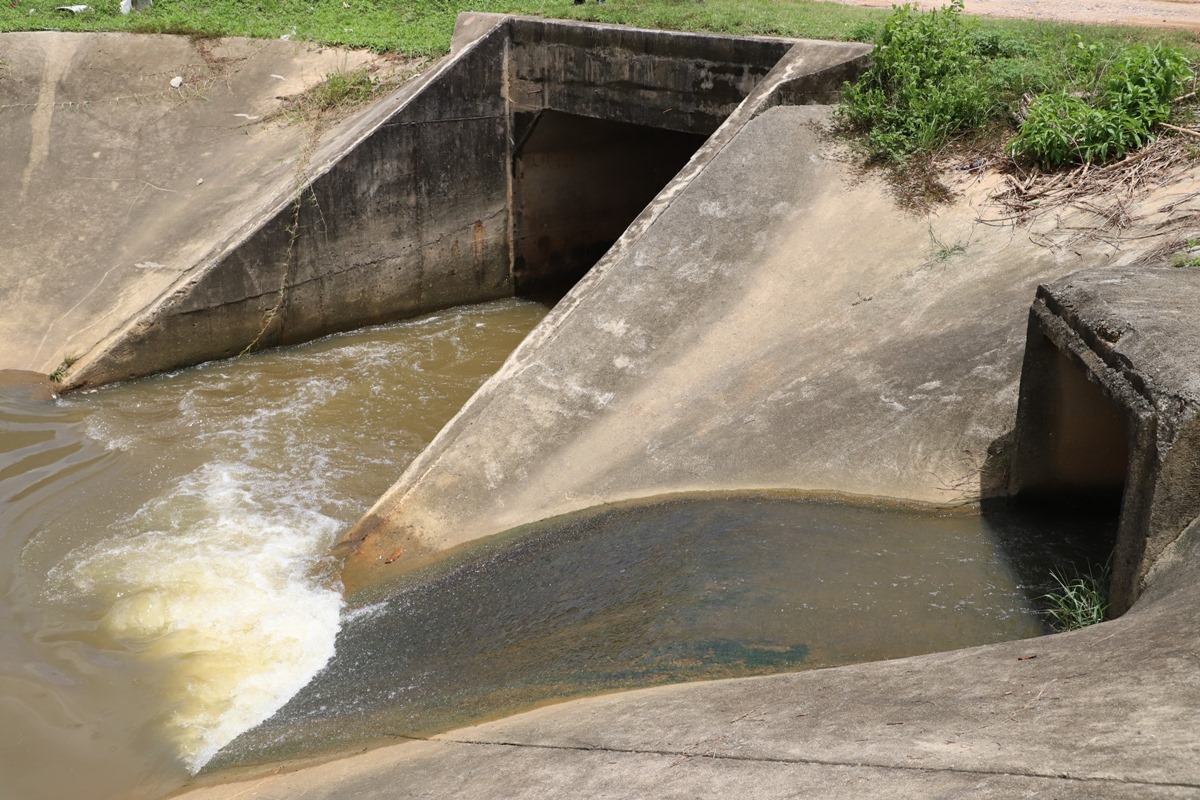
(1154, 13)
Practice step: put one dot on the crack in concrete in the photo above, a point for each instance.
(810, 761)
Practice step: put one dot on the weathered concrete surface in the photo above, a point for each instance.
(219, 229)
(1109, 711)
(1130, 332)
(686, 82)
(372, 221)
(116, 184)
(773, 320)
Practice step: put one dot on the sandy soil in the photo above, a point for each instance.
(1154, 13)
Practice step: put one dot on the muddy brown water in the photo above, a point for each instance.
(167, 601)
(164, 582)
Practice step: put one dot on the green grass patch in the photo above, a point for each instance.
(424, 27)
(1080, 600)
(1082, 95)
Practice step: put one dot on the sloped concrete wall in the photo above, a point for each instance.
(117, 187)
(407, 208)
(408, 212)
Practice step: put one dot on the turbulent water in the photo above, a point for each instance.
(165, 585)
(165, 582)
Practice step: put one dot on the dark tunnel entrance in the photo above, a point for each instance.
(578, 182)
(1080, 453)
(1073, 445)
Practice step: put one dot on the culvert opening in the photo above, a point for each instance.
(1072, 458)
(1084, 456)
(578, 182)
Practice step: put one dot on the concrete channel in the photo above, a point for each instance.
(770, 319)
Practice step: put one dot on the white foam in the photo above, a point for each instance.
(226, 582)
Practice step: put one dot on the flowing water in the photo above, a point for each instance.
(673, 589)
(165, 584)
(166, 587)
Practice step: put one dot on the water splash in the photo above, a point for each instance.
(224, 586)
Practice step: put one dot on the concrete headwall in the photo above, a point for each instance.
(409, 206)
(678, 81)
(1110, 399)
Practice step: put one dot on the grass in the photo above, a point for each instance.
(1080, 600)
(61, 371)
(1188, 257)
(340, 92)
(424, 27)
(939, 251)
(1076, 97)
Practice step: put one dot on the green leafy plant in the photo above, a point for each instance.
(923, 85)
(1080, 600)
(61, 371)
(1133, 93)
(1187, 258)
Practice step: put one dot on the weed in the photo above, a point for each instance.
(61, 371)
(1132, 93)
(340, 93)
(1080, 600)
(940, 251)
(342, 90)
(1188, 257)
(922, 87)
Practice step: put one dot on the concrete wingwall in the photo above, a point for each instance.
(407, 207)
(406, 210)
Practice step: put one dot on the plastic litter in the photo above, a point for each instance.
(177, 81)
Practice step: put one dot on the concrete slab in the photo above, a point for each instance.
(118, 183)
(1107, 711)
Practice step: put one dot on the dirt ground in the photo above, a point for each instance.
(1154, 13)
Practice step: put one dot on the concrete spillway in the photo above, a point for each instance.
(771, 319)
